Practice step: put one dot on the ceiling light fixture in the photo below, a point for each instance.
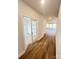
(42, 1)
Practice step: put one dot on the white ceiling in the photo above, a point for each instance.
(49, 9)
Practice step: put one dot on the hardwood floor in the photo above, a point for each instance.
(45, 48)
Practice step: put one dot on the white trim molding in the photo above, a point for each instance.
(21, 54)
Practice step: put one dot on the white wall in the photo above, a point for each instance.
(58, 37)
(21, 46)
(25, 10)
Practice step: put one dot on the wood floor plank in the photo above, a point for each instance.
(45, 48)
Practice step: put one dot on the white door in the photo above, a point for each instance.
(30, 29)
(27, 30)
(34, 29)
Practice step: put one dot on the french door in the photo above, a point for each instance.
(30, 30)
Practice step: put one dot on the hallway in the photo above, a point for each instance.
(42, 49)
(38, 28)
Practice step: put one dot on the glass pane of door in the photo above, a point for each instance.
(34, 29)
(27, 30)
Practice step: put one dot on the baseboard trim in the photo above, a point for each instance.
(21, 54)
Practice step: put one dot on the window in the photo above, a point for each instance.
(51, 28)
